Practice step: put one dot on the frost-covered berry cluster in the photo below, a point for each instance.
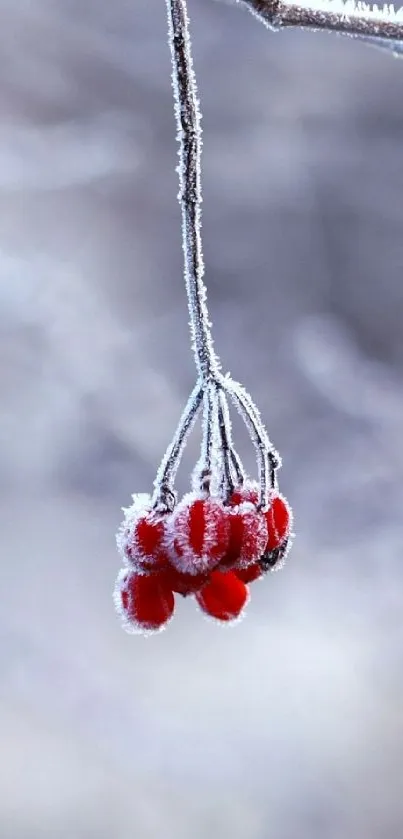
(227, 531)
(208, 547)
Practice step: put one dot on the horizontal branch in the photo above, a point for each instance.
(382, 26)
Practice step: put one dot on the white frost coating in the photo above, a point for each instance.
(349, 9)
(141, 504)
(229, 463)
(206, 473)
(177, 539)
(380, 26)
(254, 537)
(249, 487)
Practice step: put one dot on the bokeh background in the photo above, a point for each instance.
(289, 725)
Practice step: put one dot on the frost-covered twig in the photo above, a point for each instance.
(232, 464)
(382, 25)
(169, 465)
(259, 439)
(216, 425)
(188, 118)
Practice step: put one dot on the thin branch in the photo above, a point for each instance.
(206, 465)
(382, 26)
(170, 462)
(188, 118)
(231, 461)
(259, 439)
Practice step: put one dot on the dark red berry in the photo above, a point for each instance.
(144, 548)
(184, 583)
(251, 573)
(249, 491)
(224, 596)
(146, 602)
(198, 534)
(247, 536)
(148, 533)
(278, 522)
(278, 518)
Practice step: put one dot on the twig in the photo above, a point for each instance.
(188, 118)
(382, 26)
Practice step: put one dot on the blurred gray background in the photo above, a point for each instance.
(290, 725)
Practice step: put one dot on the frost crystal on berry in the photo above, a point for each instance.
(141, 504)
(249, 491)
(247, 538)
(198, 534)
(141, 536)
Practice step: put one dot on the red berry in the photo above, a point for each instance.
(146, 545)
(224, 596)
(148, 533)
(140, 539)
(278, 519)
(199, 533)
(247, 536)
(251, 573)
(184, 583)
(278, 516)
(145, 602)
(249, 491)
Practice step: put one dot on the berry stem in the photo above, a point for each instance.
(230, 459)
(205, 466)
(264, 451)
(169, 465)
(188, 117)
(189, 135)
(254, 414)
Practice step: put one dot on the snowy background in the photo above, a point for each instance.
(290, 726)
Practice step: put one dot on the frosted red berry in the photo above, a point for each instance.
(146, 545)
(278, 516)
(247, 536)
(145, 602)
(251, 573)
(224, 597)
(278, 519)
(184, 583)
(141, 536)
(198, 534)
(249, 491)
